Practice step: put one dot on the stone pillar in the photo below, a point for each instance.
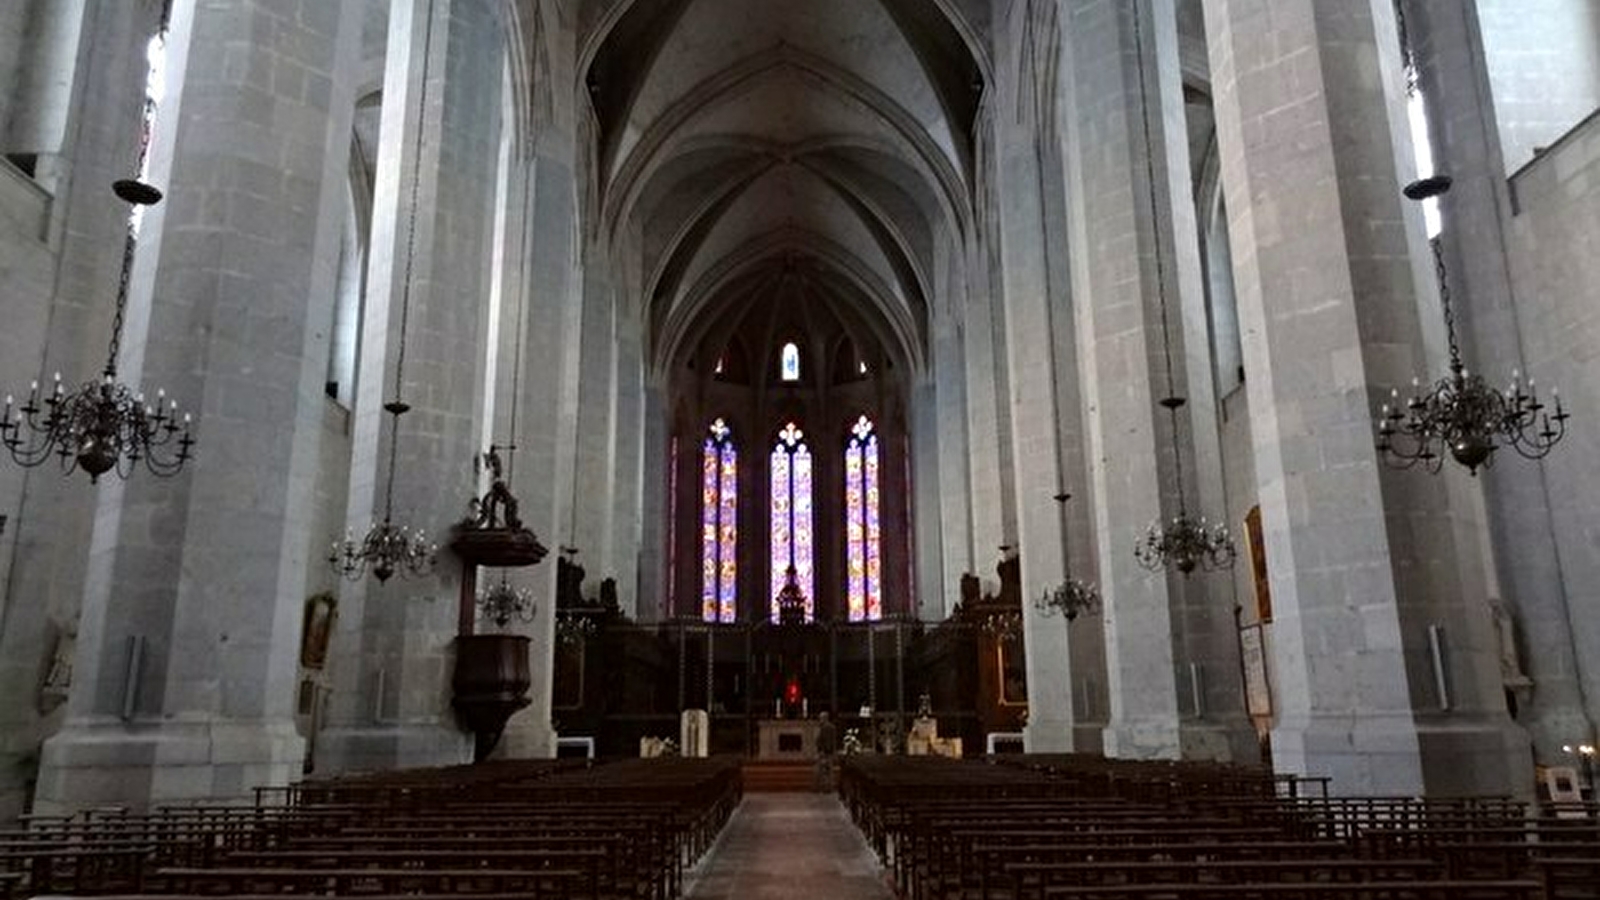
(953, 511)
(1363, 561)
(1122, 359)
(1031, 302)
(393, 653)
(980, 347)
(549, 406)
(208, 568)
(622, 543)
(60, 288)
(596, 426)
(1525, 566)
(930, 575)
(654, 553)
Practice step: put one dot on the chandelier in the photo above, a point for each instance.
(1002, 625)
(1183, 542)
(1461, 413)
(1073, 596)
(573, 626)
(388, 548)
(104, 425)
(503, 602)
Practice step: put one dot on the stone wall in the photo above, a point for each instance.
(1553, 245)
(1543, 58)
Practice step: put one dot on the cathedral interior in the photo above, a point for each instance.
(1205, 380)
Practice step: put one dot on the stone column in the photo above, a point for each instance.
(1363, 561)
(545, 457)
(1122, 358)
(60, 288)
(1031, 302)
(596, 425)
(653, 576)
(622, 544)
(208, 568)
(980, 351)
(393, 653)
(930, 576)
(953, 511)
(1447, 43)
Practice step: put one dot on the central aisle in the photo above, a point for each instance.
(790, 845)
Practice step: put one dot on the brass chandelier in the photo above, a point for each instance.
(504, 602)
(104, 425)
(1461, 413)
(1184, 542)
(1073, 596)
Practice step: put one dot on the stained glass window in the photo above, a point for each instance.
(863, 555)
(789, 365)
(791, 518)
(719, 529)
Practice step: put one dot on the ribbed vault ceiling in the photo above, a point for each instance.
(744, 144)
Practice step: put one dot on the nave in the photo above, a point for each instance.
(924, 828)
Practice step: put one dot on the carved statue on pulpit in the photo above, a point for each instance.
(971, 590)
(1009, 568)
(608, 595)
(569, 583)
(497, 508)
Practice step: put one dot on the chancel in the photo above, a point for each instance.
(1159, 416)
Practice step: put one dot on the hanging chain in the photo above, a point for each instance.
(130, 241)
(1172, 401)
(398, 406)
(1437, 245)
(521, 335)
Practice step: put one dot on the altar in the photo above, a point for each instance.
(786, 739)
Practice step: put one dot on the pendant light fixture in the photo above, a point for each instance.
(104, 425)
(1461, 413)
(387, 548)
(1184, 542)
(1073, 596)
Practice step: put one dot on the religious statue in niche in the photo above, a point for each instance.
(57, 682)
(317, 629)
(1513, 679)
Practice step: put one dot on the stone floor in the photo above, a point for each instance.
(789, 847)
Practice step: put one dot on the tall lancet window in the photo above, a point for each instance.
(863, 557)
(719, 525)
(155, 91)
(791, 518)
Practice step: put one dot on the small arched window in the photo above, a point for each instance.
(789, 362)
